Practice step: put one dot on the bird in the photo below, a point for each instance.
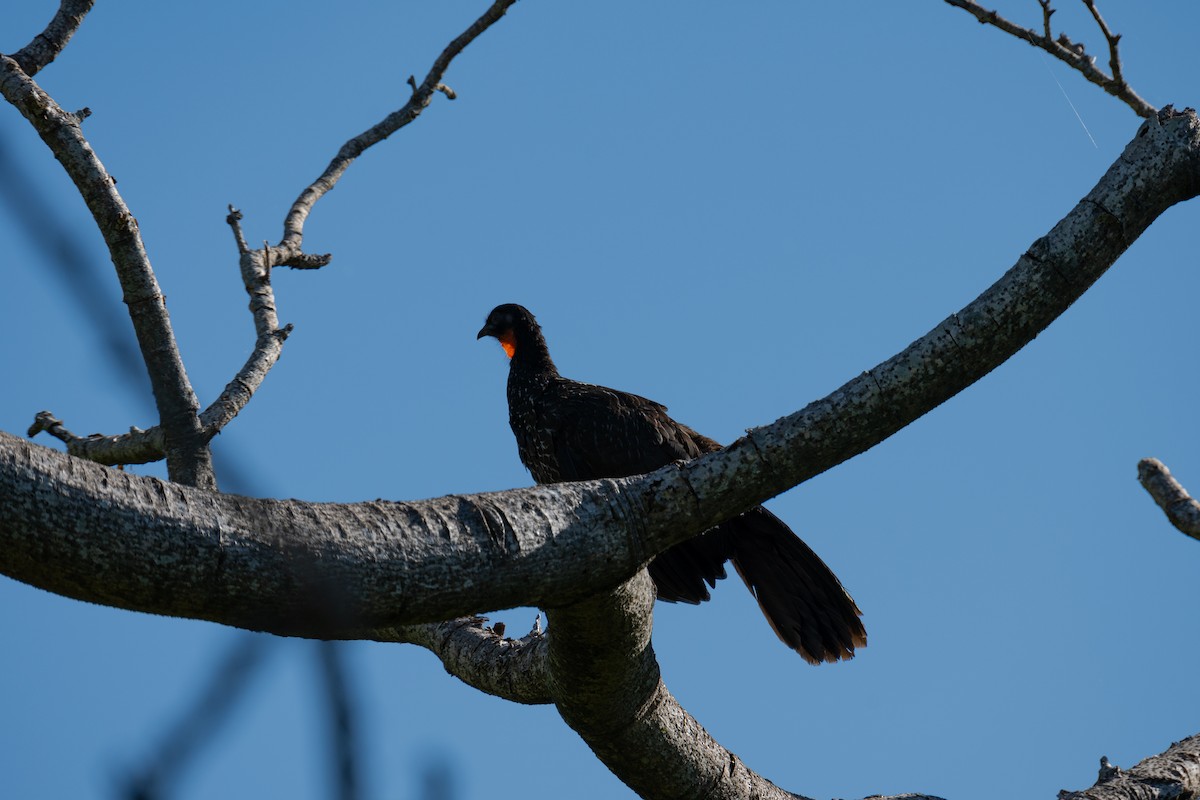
(572, 431)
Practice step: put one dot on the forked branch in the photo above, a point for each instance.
(1071, 53)
(188, 458)
(138, 446)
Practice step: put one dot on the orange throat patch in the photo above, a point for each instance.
(509, 342)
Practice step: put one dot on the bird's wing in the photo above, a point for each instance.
(604, 433)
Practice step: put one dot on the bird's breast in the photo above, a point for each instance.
(533, 430)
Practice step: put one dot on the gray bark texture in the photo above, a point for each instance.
(390, 570)
(1172, 775)
(1180, 507)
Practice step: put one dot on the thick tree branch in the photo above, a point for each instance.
(514, 669)
(1173, 775)
(1180, 507)
(293, 225)
(607, 686)
(308, 569)
(46, 46)
(137, 543)
(188, 458)
(1070, 53)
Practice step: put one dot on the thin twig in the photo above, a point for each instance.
(1114, 58)
(306, 261)
(293, 225)
(234, 220)
(331, 659)
(1180, 507)
(146, 446)
(1047, 12)
(201, 722)
(1071, 53)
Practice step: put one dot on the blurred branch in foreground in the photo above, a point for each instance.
(200, 723)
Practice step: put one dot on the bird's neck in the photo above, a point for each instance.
(531, 355)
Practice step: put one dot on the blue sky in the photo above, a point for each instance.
(731, 210)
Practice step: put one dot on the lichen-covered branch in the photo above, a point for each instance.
(1071, 53)
(46, 46)
(1180, 507)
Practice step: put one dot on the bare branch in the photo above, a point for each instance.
(200, 722)
(1047, 13)
(1114, 57)
(1069, 52)
(46, 46)
(237, 393)
(234, 221)
(317, 570)
(136, 543)
(141, 447)
(306, 261)
(1180, 507)
(331, 657)
(293, 226)
(607, 686)
(513, 669)
(145, 446)
(1173, 774)
(136, 447)
(188, 458)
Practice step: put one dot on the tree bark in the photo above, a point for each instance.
(104, 536)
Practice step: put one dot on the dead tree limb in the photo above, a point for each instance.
(1180, 507)
(1070, 53)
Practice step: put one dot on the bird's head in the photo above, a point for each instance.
(512, 325)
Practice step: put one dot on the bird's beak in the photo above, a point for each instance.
(486, 330)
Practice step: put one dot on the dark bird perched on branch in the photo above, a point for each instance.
(571, 431)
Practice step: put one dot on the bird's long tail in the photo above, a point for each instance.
(800, 596)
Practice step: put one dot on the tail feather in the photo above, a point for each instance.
(680, 573)
(801, 598)
(799, 595)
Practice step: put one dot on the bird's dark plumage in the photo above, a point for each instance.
(571, 431)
